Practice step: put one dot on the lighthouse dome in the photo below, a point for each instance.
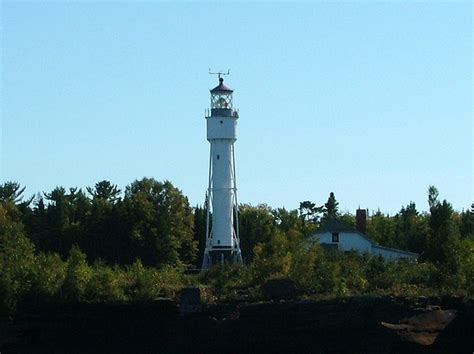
(221, 88)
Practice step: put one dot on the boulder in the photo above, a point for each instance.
(189, 300)
(422, 329)
(279, 289)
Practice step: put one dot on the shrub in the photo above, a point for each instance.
(222, 279)
(106, 283)
(78, 275)
(327, 278)
(149, 283)
(352, 271)
(169, 280)
(140, 284)
(49, 275)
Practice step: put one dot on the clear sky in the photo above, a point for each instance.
(371, 101)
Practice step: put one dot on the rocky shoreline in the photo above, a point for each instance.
(347, 325)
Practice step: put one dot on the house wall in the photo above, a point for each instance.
(390, 254)
(353, 241)
(347, 241)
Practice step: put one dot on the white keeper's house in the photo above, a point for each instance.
(338, 235)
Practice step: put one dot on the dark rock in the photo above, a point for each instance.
(424, 328)
(189, 300)
(279, 289)
(343, 326)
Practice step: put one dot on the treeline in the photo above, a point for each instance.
(104, 244)
(151, 221)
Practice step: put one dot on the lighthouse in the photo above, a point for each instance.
(222, 225)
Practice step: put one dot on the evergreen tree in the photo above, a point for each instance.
(330, 210)
(287, 220)
(412, 230)
(200, 219)
(104, 190)
(444, 241)
(467, 223)
(11, 192)
(106, 225)
(309, 214)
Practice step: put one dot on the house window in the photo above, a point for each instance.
(335, 237)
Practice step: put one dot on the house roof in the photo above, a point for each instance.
(335, 226)
(339, 226)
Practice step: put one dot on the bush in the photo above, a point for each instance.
(303, 259)
(49, 275)
(140, 284)
(170, 280)
(149, 283)
(352, 270)
(106, 284)
(327, 279)
(222, 279)
(78, 275)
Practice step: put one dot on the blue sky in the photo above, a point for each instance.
(372, 101)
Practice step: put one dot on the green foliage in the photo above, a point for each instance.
(303, 256)
(105, 191)
(148, 283)
(11, 192)
(16, 258)
(78, 275)
(287, 220)
(136, 247)
(200, 222)
(286, 255)
(257, 225)
(444, 243)
(170, 280)
(326, 277)
(226, 279)
(48, 275)
(381, 229)
(309, 214)
(330, 209)
(348, 219)
(412, 230)
(467, 223)
(161, 223)
(467, 266)
(153, 222)
(106, 283)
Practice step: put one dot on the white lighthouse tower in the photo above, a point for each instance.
(222, 230)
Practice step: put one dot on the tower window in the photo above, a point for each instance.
(218, 157)
(221, 100)
(222, 121)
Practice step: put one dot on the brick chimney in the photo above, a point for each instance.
(361, 220)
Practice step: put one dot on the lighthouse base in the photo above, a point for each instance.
(221, 255)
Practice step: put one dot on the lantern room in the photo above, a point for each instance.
(221, 100)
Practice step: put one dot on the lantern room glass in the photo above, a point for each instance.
(221, 101)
